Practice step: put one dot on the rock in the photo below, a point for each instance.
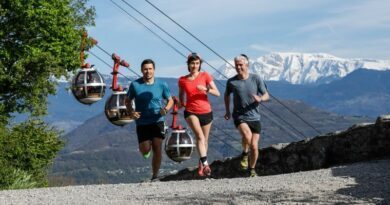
(361, 142)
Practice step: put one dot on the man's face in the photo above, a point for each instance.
(147, 71)
(241, 67)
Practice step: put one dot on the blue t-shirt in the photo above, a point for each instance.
(245, 107)
(148, 99)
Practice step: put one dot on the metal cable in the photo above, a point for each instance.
(294, 113)
(158, 36)
(163, 30)
(172, 38)
(284, 121)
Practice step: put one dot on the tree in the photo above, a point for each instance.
(27, 150)
(39, 41)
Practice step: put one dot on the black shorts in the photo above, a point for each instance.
(148, 132)
(204, 119)
(254, 126)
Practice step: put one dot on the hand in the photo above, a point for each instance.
(135, 115)
(201, 88)
(228, 116)
(256, 98)
(163, 111)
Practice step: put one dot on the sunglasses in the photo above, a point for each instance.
(193, 55)
(245, 56)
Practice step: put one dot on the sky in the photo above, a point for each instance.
(346, 29)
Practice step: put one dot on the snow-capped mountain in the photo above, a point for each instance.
(304, 68)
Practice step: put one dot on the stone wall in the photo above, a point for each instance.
(360, 142)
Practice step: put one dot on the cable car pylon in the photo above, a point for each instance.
(115, 108)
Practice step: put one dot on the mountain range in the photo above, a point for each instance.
(303, 68)
(362, 92)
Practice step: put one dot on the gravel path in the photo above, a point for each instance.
(362, 183)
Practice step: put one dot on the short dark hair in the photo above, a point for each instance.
(192, 57)
(147, 61)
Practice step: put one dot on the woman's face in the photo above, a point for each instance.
(194, 66)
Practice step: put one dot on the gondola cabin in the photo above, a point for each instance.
(115, 109)
(88, 86)
(179, 145)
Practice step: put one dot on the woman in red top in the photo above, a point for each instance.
(195, 86)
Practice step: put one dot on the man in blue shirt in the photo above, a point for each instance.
(148, 94)
(248, 92)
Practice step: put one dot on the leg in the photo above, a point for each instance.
(144, 143)
(194, 124)
(246, 135)
(201, 142)
(156, 161)
(254, 146)
(206, 132)
(244, 143)
(145, 146)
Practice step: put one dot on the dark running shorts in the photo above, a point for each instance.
(254, 126)
(204, 119)
(148, 132)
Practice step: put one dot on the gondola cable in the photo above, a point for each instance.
(204, 44)
(283, 128)
(163, 30)
(159, 27)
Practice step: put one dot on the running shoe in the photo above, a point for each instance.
(207, 170)
(154, 179)
(200, 169)
(147, 155)
(252, 173)
(244, 162)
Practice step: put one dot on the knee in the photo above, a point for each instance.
(247, 137)
(254, 146)
(144, 149)
(200, 138)
(255, 141)
(246, 133)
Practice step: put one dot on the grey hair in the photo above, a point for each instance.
(243, 58)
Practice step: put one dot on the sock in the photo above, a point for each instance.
(245, 153)
(204, 160)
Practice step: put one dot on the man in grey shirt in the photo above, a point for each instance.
(248, 92)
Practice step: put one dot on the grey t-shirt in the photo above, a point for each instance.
(245, 106)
